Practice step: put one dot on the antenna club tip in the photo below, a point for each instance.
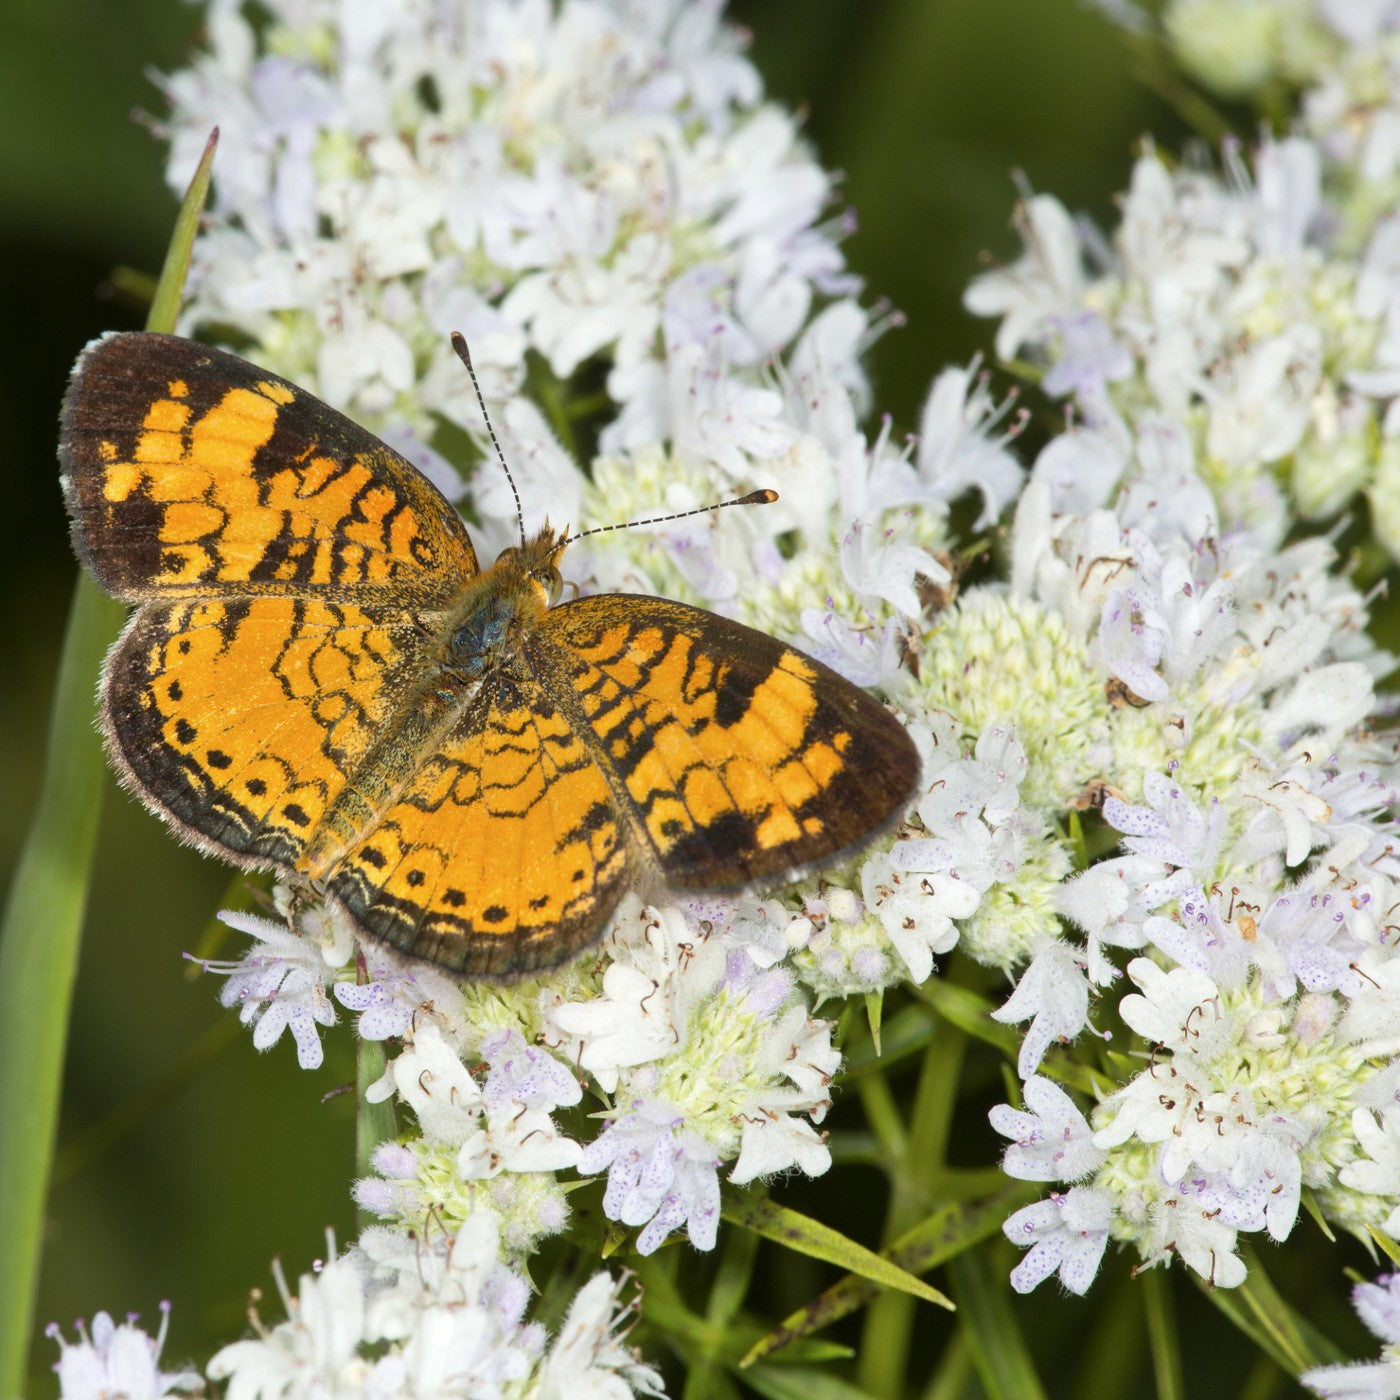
(765, 497)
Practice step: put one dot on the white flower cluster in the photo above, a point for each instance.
(1253, 877)
(590, 184)
(395, 1317)
(1227, 362)
(1143, 744)
(1231, 305)
(510, 169)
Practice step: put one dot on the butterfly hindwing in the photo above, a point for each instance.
(733, 757)
(240, 720)
(503, 855)
(192, 473)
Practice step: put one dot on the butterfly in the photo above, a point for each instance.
(319, 679)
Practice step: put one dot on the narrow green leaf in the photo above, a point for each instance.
(800, 1383)
(1162, 1338)
(43, 917)
(932, 1242)
(952, 1378)
(38, 962)
(988, 1322)
(165, 305)
(1259, 1311)
(1385, 1244)
(732, 1277)
(1110, 1343)
(807, 1236)
(874, 1008)
(704, 1380)
(970, 1013)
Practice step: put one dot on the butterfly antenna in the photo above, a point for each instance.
(459, 344)
(762, 497)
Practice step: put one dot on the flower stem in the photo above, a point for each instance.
(43, 918)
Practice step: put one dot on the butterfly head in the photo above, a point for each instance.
(536, 562)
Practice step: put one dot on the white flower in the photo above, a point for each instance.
(1051, 1141)
(1362, 1380)
(316, 1352)
(398, 993)
(117, 1359)
(957, 451)
(1378, 1172)
(1170, 827)
(1378, 1306)
(1179, 1225)
(280, 983)
(588, 1358)
(1053, 994)
(1047, 283)
(1066, 1234)
(648, 990)
(661, 1175)
(1178, 1009)
(432, 1080)
(916, 909)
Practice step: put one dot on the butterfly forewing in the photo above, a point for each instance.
(191, 473)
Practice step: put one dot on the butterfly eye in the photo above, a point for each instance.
(553, 583)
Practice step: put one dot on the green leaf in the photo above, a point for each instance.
(38, 961)
(1162, 1335)
(165, 305)
(1385, 1244)
(807, 1236)
(800, 1383)
(43, 918)
(993, 1334)
(1259, 1311)
(945, 1234)
(874, 1010)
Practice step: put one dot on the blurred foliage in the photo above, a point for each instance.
(927, 106)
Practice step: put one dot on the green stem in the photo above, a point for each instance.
(913, 1172)
(38, 963)
(43, 919)
(374, 1122)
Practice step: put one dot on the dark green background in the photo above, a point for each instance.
(927, 106)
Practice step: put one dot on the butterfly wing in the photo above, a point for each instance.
(732, 757)
(503, 855)
(189, 472)
(239, 720)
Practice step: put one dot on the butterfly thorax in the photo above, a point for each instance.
(484, 630)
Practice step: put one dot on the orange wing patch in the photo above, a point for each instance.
(503, 855)
(734, 757)
(241, 720)
(196, 474)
